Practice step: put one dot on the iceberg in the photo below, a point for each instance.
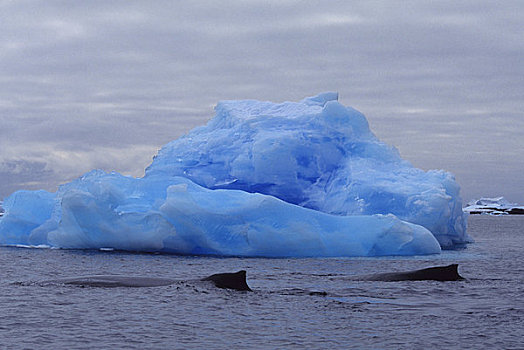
(292, 179)
(493, 206)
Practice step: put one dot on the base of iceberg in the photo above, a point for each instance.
(302, 179)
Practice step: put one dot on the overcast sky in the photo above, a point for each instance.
(104, 84)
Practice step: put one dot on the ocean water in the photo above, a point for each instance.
(296, 303)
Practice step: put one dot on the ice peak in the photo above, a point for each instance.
(321, 99)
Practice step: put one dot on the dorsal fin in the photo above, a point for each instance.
(235, 280)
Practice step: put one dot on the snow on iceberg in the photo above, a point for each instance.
(260, 179)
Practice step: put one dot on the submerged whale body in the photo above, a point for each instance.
(438, 273)
(235, 281)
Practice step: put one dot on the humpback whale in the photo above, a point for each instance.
(235, 281)
(438, 273)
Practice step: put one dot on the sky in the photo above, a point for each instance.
(104, 84)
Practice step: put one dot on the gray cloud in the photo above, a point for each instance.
(23, 174)
(104, 84)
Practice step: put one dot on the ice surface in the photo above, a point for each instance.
(260, 179)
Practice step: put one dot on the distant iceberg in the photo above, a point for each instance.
(293, 179)
(493, 206)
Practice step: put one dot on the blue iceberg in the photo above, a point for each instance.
(293, 179)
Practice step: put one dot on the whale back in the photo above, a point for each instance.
(109, 281)
(235, 281)
(438, 273)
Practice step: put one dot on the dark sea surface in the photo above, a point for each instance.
(287, 310)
